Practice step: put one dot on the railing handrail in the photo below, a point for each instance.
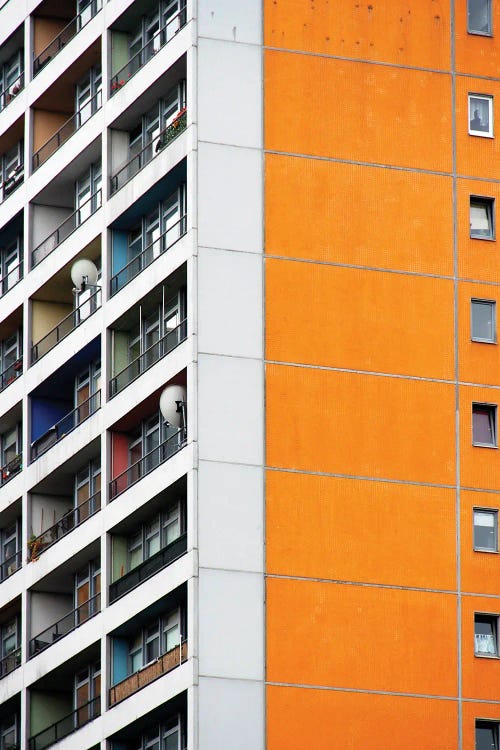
(73, 314)
(94, 702)
(158, 344)
(14, 464)
(55, 233)
(115, 79)
(175, 125)
(54, 429)
(181, 433)
(71, 614)
(7, 93)
(15, 366)
(136, 572)
(183, 657)
(56, 135)
(37, 545)
(74, 21)
(179, 222)
(7, 658)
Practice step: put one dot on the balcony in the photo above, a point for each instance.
(162, 665)
(10, 469)
(153, 251)
(66, 130)
(137, 61)
(67, 725)
(128, 171)
(148, 358)
(11, 373)
(64, 36)
(147, 464)
(148, 568)
(66, 326)
(71, 520)
(65, 625)
(10, 662)
(67, 424)
(66, 228)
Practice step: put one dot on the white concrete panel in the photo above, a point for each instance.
(233, 21)
(230, 197)
(230, 516)
(230, 81)
(231, 613)
(230, 409)
(229, 281)
(231, 714)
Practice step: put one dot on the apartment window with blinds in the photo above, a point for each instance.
(485, 530)
(485, 635)
(484, 425)
(482, 218)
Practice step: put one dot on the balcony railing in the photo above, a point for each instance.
(14, 179)
(71, 125)
(146, 465)
(69, 31)
(11, 565)
(10, 662)
(148, 358)
(66, 326)
(67, 725)
(65, 625)
(145, 155)
(148, 568)
(145, 54)
(67, 227)
(165, 663)
(12, 278)
(12, 91)
(10, 470)
(11, 373)
(65, 425)
(148, 255)
(67, 523)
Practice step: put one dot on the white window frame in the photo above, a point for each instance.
(488, 204)
(493, 409)
(471, 97)
(479, 32)
(490, 511)
(492, 305)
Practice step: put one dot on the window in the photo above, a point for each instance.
(486, 735)
(483, 320)
(87, 192)
(9, 733)
(481, 115)
(486, 529)
(166, 736)
(479, 17)
(11, 269)
(88, 95)
(10, 546)
(155, 535)
(87, 690)
(485, 635)
(87, 485)
(484, 425)
(481, 216)
(154, 640)
(11, 78)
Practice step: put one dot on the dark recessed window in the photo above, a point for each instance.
(484, 425)
(486, 529)
(479, 17)
(482, 218)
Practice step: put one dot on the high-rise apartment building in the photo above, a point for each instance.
(249, 374)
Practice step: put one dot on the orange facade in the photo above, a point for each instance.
(374, 574)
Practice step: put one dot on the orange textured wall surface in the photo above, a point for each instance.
(343, 529)
(479, 55)
(379, 125)
(404, 32)
(354, 313)
(481, 675)
(360, 215)
(323, 720)
(361, 637)
(478, 362)
(476, 156)
(479, 466)
(480, 570)
(321, 420)
(477, 258)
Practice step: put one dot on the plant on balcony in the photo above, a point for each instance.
(34, 548)
(177, 125)
(117, 85)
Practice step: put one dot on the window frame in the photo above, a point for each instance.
(494, 513)
(477, 32)
(489, 203)
(493, 619)
(491, 303)
(493, 410)
(489, 133)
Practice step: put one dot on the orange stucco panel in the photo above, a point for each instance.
(325, 719)
(479, 466)
(356, 313)
(380, 124)
(477, 258)
(476, 54)
(478, 362)
(350, 530)
(361, 637)
(480, 674)
(480, 571)
(477, 156)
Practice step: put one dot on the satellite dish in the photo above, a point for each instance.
(83, 274)
(169, 407)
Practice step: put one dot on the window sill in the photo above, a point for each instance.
(485, 445)
(483, 341)
(482, 237)
(479, 134)
(495, 657)
(488, 34)
(484, 549)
